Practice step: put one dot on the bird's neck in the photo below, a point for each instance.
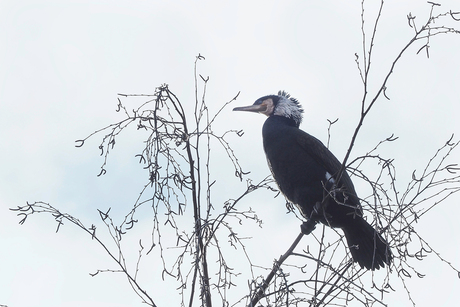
(282, 120)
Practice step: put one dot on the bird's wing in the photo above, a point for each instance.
(323, 156)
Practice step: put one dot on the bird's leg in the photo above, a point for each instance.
(318, 213)
(318, 209)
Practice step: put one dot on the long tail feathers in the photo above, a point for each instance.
(367, 247)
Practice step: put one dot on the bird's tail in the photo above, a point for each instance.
(367, 247)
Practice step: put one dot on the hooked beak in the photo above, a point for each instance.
(259, 108)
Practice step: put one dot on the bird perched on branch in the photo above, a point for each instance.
(311, 177)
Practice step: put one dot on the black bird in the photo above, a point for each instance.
(307, 174)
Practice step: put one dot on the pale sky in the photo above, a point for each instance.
(62, 64)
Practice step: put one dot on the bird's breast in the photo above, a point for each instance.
(297, 174)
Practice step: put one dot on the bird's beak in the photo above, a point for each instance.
(260, 108)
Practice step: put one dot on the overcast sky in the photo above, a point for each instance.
(62, 64)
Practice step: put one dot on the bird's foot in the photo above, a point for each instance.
(307, 227)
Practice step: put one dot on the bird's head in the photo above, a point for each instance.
(282, 105)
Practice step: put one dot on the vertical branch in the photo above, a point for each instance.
(195, 172)
(193, 165)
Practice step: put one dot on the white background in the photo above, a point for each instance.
(63, 62)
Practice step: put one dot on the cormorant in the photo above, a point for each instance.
(306, 173)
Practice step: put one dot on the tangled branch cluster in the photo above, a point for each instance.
(177, 158)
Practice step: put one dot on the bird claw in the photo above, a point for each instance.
(307, 227)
